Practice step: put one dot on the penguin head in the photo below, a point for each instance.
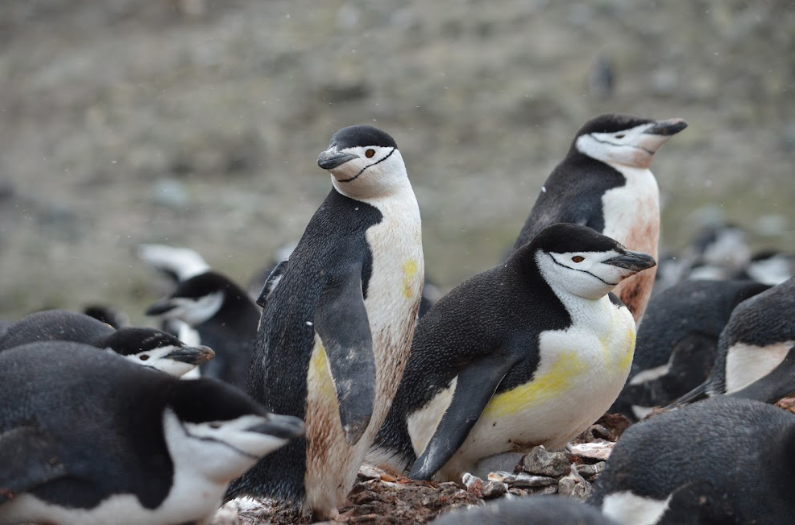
(195, 300)
(583, 262)
(625, 140)
(157, 349)
(220, 431)
(364, 163)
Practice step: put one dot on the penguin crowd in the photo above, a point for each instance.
(339, 353)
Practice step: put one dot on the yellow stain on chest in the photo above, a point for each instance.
(548, 385)
(409, 273)
(319, 375)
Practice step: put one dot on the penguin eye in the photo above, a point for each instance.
(620, 136)
(369, 153)
(143, 357)
(578, 259)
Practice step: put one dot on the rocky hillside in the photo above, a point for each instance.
(198, 122)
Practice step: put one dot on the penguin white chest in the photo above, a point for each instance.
(581, 372)
(632, 211)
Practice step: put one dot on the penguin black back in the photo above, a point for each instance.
(539, 510)
(322, 253)
(55, 325)
(722, 460)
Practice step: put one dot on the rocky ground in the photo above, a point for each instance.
(198, 122)
(381, 499)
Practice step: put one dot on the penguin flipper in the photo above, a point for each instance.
(28, 459)
(343, 326)
(270, 283)
(475, 386)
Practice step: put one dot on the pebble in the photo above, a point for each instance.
(596, 450)
(522, 480)
(589, 471)
(539, 461)
(574, 486)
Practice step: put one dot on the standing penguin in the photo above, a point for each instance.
(87, 438)
(605, 183)
(756, 350)
(223, 315)
(149, 347)
(528, 353)
(722, 461)
(335, 332)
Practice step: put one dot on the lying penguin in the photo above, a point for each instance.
(528, 353)
(723, 460)
(88, 438)
(146, 346)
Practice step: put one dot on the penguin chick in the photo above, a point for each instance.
(678, 341)
(605, 183)
(723, 460)
(92, 439)
(223, 315)
(146, 346)
(756, 350)
(336, 331)
(528, 353)
(539, 510)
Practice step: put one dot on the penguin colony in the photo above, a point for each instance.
(327, 362)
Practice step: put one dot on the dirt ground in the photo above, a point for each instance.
(198, 122)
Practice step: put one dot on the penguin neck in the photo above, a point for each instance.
(373, 192)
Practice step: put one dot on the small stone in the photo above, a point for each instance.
(473, 484)
(595, 450)
(574, 486)
(530, 481)
(494, 489)
(589, 471)
(517, 492)
(539, 461)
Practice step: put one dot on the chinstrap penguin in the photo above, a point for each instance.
(336, 330)
(148, 347)
(528, 353)
(678, 341)
(224, 317)
(604, 182)
(756, 350)
(723, 460)
(538, 510)
(92, 439)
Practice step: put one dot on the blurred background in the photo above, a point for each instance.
(198, 123)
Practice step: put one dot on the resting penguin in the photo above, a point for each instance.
(146, 346)
(224, 317)
(335, 332)
(539, 510)
(678, 341)
(756, 350)
(528, 353)
(91, 439)
(605, 183)
(721, 461)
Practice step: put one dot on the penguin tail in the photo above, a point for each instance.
(697, 394)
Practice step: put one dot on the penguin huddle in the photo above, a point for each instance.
(531, 352)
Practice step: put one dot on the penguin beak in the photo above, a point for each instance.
(332, 158)
(192, 355)
(283, 427)
(633, 261)
(160, 308)
(667, 128)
